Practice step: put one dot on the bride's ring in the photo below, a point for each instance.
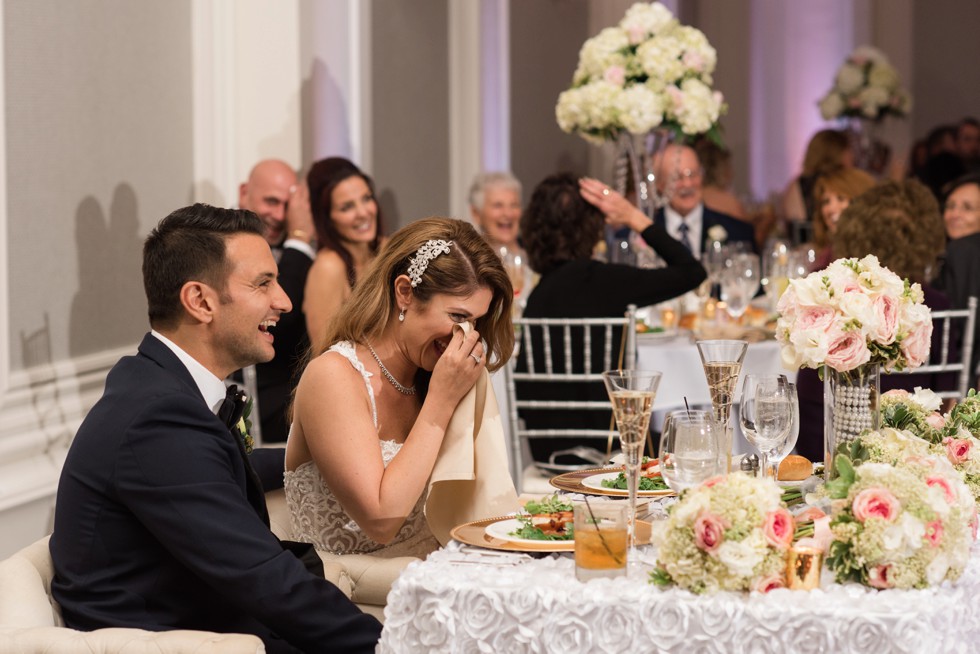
(605, 191)
(475, 358)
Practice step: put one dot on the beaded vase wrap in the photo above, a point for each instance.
(850, 408)
(426, 253)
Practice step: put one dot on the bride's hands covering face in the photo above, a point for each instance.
(460, 364)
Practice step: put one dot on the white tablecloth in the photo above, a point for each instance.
(459, 600)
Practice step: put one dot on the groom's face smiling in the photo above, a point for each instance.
(250, 303)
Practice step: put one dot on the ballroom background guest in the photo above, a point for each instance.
(686, 218)
(273, 194)
(716, 186)
(495, 206)
(898, 222)
(832, 194)
(960, 276)
(373, 405)
(826, 151)
(348, 235)
(161, 522)
(562, 224)
(968, 143)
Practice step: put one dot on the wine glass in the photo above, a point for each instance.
(739, 283)
(690, 449)
(722, 363)
(632, 393)
(766, 416)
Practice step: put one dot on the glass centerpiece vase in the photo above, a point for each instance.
(850, 406)
(722, 362)
(632, 393)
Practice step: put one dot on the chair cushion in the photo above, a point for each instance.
(25, 587)
(59, 640)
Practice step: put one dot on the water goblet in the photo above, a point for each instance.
(690, 447)
(632, 393)
(766, 417)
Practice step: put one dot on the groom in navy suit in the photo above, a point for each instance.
(679, 176)
(160, 520)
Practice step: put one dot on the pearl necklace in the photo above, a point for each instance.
(401, 388)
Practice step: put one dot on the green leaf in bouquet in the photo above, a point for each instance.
(660, 577)
(844, 468)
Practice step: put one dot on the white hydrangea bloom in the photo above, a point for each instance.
(640, 109)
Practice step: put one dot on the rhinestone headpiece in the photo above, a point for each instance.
(429, 251)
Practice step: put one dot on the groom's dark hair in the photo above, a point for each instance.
(189, 245)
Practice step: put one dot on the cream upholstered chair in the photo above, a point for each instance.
(30, 620)
(368, 578)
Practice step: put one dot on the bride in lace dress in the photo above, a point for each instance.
(371, 410)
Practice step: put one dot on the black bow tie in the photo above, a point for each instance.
(232, 407)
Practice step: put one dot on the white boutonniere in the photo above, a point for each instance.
(717, 233)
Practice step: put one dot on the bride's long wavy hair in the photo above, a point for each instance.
(469, 265)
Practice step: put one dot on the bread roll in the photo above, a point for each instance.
(794, 468)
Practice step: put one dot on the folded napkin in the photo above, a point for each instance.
(471, 479)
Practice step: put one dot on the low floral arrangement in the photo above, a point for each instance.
(866, 86)
(854, 312)
(729, 533)
(953, 436)
(901, 526)
(647, 72)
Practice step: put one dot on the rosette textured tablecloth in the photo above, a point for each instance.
(458, 600)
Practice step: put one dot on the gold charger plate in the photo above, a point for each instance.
(475, 533)
(572, 483)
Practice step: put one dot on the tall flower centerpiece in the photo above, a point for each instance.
(648, 76)
(849, 321)
(866, 89)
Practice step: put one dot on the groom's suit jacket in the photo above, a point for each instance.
(158, 524)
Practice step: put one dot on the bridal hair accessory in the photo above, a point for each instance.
(401, 388)
(426, 253)
(401, 316)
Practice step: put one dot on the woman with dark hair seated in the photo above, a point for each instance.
(560, 228)
(961, 265)
(899, 223)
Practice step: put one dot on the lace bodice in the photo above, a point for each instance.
(316, 515)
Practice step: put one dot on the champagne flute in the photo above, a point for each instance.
(722, 363)
(766, 417)
(632, 393)
(690, 444)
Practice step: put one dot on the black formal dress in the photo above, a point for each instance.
(278, 378)
(961, 280)
(159, 525)
(592, 289)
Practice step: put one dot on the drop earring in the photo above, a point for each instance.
(401, 316)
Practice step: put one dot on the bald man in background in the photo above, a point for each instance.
(271, 187)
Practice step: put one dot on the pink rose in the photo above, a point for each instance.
(636, 34)
(778, 528)
(709, 531)
(934, 532)
(818, 317)
(693, 60)
(886, 310)
(943, 484)
(772, 582)
(846, 350)
(708, 483)
(875, 503)
(878, 576)
(615, 75)
(958, 449)
(936, 420)
(896, 392)
(924, 461)
(916, 345)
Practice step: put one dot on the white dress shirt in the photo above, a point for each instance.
(213, 390)
(694, 222)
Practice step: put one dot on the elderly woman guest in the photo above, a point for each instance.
(899, 223)
(961, 267)
(495, 206)
(562, 224)
(832, 194)
(372, 407)
(348, 234)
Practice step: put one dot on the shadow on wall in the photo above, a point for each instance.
(109, 309)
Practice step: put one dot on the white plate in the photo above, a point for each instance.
(502, 528)
(595, 482)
